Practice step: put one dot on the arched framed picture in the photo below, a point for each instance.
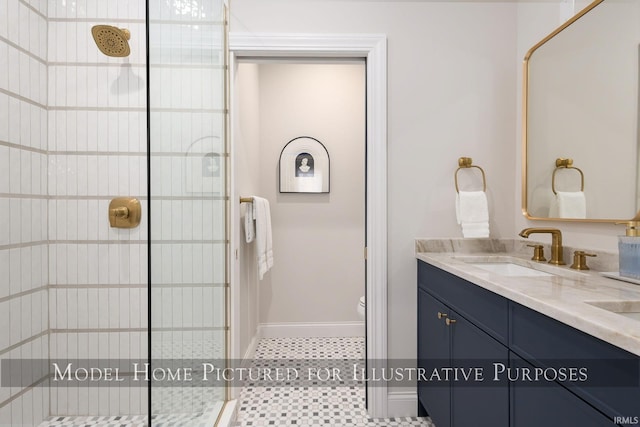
(304, 166)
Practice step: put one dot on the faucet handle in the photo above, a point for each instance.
(580, 260)
(538, 253)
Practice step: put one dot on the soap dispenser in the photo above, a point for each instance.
(629, 250)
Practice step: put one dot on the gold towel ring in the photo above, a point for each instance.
(565, 164)
(466, 163)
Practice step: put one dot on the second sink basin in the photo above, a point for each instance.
(628, 309)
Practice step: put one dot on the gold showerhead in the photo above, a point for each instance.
(112, 41)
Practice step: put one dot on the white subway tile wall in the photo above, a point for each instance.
(97, 150)
(24, 297)
(73, 135)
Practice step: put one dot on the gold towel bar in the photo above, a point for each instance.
(246, 199)
(565, 164)
(465, 163)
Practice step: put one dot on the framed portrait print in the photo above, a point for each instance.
(304, 166)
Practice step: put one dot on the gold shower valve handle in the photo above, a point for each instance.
(120, 212)
(124, 212)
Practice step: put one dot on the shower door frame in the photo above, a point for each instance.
(373, 48)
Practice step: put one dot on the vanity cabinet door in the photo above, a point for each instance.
(448, 340)
(479, 401)
(550, 405)
(483, 308)
(433, 352)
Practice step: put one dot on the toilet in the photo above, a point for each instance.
(361, 308)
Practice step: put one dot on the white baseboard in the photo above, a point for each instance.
(296, 330)
(251, 351)
(402, 404)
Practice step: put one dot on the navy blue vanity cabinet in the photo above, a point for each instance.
(478, 401)
(433, 349)
(491, 328)
(549, 404)
(613, 386)
(448, 337)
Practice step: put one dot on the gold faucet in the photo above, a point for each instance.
(556, 242)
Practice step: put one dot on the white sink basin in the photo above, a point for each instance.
(628, 309)
(510, 266)
(510, 269)
(634, 316)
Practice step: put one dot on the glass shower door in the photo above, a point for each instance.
(81, 125)
(188, 202)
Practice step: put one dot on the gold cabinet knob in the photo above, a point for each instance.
(580, 260)
(441, 315)
(538, 253)
(449, 322)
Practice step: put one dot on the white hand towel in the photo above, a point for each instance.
(475, 230)
(553, 208)
(571, 204)
(249, 226)
(264, 241)
(472, 213)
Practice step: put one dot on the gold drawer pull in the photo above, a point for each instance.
(449, 322)
(441, 315)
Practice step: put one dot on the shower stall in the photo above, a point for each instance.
(104, 100)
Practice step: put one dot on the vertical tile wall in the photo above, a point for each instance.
(23, 203)
(188, 193)
(72, 136)
(97, 151)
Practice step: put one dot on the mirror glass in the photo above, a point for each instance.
(581, 103)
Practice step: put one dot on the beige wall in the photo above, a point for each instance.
(454, 89)
(318, 239)
(451, 93)
(246, 128)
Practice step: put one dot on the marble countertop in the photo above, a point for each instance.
(564, 296)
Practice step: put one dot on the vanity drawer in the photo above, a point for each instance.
(485, 309)
(613, 384)
(549, 404)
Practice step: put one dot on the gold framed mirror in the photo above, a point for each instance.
(580, 111)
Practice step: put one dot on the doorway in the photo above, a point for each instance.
(371, 49)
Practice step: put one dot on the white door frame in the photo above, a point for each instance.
(372, 47)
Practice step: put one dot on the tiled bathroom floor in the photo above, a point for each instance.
(205, 418)
(314, 405)
(129, 421)
(260, 405)
(175, 406)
